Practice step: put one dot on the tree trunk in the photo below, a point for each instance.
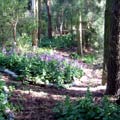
(35, 30)
(14, 26)
(79, 38)
(57, 24)
(14, 32)
(47, 3)
(39, 19)
(113, 67)
(71, 26)
(34, 39)
(106, 39)
(61, 22)
(3, 47)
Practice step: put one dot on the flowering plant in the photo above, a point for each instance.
(43, 68)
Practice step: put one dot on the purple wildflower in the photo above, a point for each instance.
(61, 60)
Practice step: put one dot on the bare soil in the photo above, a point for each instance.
(36, 102)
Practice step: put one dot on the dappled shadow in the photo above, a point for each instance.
(81, 91)
(37, 102)
(31, 107)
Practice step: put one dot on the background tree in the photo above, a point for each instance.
(63, 21)
(39, 18)
(12, 11)
(35, 9)
(48, 8)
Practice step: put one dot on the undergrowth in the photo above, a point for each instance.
(87, 109)
(3, 103)
(58, 42)
(40, 70)
(89, 59)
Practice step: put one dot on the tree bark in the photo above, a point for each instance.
(14, 26)
(34, 39)
(62, 22)
(3, 47)
(39, 19)
(79, 36)
(48, 3)
(35, 30)
(71, 26)
(14, 32)
(107, 28)
(113, 67)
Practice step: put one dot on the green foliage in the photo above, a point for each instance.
(74, 56)
(38, 70)
(3, 105)
(58, 42)
(86, 109)
(27, 25)
(69, 12)
(10, 13)
(90, 58)
(24, 41)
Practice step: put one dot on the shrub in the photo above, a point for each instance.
(58, 42)
(74, 56)
(89, 58)
(86, 109)
(3, 104)
(41, 69)
(86, 58)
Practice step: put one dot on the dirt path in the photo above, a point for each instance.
(36, 102)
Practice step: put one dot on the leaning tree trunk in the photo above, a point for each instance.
(106, 39)
(47, 3)
(113, 81)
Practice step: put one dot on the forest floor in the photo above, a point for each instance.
(35, 102)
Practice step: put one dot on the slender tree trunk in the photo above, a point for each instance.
(71, 26)
(34, 39)
(3, 47)
(62, 21)
(113, 67)
(14, 32)
(61, 28)
(48, 3)
(35, 31)
(106, 38)
(14, 26)
(79, 39)
(39, 19)
(3, 42)
(57, 24)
